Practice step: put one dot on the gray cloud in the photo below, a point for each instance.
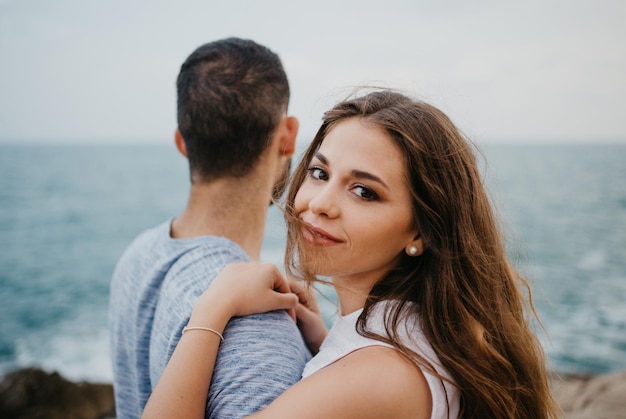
(525, 71)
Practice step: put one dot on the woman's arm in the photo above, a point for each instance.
(370, 383)
(239, 290)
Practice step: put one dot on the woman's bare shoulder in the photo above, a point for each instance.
(372, 382)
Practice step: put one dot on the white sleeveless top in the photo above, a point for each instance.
(343, 339)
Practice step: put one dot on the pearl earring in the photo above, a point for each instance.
(412, 250)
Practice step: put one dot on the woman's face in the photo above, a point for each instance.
(356, 204)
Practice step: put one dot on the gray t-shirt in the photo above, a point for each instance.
(154, 288)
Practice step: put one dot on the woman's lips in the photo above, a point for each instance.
(318, 236)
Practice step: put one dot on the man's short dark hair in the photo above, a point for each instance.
(232, 94)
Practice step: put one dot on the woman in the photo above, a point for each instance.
(388, 203)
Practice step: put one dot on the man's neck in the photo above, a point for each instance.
(232, 208)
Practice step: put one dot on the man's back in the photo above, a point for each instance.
(233, 128)
(154, 288)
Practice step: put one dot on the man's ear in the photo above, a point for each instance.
(180, 143)
(288, 137)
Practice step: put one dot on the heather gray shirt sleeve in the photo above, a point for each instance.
(262, 355)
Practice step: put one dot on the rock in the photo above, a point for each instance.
(591, 397)
(35, 394)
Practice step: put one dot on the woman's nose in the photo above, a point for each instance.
(324, 202)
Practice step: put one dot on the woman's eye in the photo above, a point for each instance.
(365, 193)
(317, 173)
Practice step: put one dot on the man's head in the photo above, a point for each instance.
(232, 94)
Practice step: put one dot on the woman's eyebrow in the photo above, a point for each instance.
(366, 175)
(321, 158)
(359, 174)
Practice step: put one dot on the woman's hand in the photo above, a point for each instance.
(309, 318)
(242, 289)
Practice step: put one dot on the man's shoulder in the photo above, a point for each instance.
(208, 256)
(156, 246)
(154, 262)
(147, 241)
(192, 267)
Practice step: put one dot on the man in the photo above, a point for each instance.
(234, 130)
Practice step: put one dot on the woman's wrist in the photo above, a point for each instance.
(211, 311)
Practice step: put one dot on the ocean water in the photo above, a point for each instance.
(68, 211)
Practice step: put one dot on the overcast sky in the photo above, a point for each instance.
(105, 71)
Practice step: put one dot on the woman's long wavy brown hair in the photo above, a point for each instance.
(474, 307)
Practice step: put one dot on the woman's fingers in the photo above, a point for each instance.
(280, 284)
(282, 301)
(312, 327)
(253, 287)
(305, 295)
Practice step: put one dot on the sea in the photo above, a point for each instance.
(67, 212)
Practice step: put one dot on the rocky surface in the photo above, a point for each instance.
(591, 397)
(35, 394)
